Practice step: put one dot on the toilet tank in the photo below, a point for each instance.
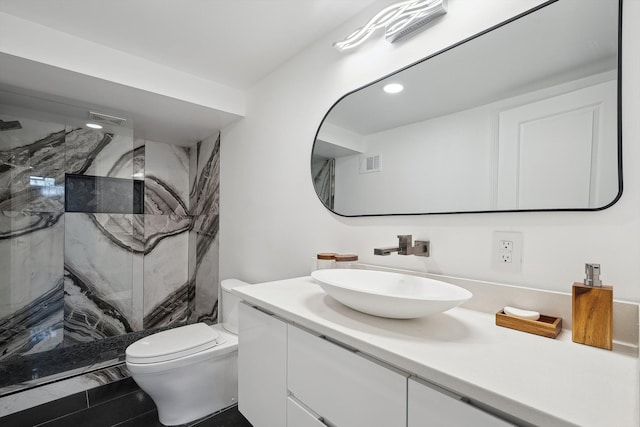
(230, 303)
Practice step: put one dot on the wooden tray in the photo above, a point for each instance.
(547, 326)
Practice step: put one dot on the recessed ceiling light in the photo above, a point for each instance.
(94, 126)
(393, 88)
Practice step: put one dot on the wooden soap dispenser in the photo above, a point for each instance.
(592, 310)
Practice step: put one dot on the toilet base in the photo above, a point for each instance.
(192, 392)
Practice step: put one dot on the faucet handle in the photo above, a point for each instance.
(404, 242)
(405, 238)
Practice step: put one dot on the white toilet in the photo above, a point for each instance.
(190, 371)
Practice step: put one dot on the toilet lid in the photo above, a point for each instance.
(173, 343)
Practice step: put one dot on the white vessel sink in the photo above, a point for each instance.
(393, 295)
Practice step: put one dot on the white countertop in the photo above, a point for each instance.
(543, 381)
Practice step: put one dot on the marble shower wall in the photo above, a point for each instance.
(129, 272)
(81, 277)
(31, 237)
(100, 245)
(205, 202)
(167, 221)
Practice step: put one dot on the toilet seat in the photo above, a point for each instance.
(173, 344)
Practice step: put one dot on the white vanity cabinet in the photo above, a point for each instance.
(262, 368)
(429, 407)
(344, 387)
(290, 377)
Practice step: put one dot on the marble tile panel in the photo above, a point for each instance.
(82, 148)
(14, 179)
(108, 375)
(106, 154)
(167, 178)
(129, 165)
(137, 292)
(124, 160)
(193, 175)
(138, 158)
(193, 235)
(160, 227)
(208, 178)
(166, 272)
(34, 328)
(88, 315)
(99, 275)
(32, 168)
(172, 310)
(31, 130)
(160, 199)
(207, 279)
(207, 224)
(31, 247)
(125, 231)
(204, 199)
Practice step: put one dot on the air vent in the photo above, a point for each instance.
(370, 163)
(105, 118)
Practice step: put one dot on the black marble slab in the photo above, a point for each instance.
(29, 367)
(96, 194)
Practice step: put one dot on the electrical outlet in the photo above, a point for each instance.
(506, 251)
(506, 245)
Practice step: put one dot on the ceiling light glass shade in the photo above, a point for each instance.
(393, 88)
(399, 19)
(94, 126)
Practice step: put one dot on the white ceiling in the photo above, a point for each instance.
(233, 43)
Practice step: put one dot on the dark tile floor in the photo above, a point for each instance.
(120, 404)
(228, 418)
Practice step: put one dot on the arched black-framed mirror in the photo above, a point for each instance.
(522, 117)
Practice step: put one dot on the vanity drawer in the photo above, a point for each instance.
(297, 416)
(430, 407)
(343, 387)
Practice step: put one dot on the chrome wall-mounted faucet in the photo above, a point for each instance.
(405, 247)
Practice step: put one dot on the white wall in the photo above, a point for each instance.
(417, 174)
(272, 222)
(341, 137)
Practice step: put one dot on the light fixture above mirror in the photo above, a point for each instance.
(399, 20)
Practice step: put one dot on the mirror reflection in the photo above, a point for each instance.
(522, 117)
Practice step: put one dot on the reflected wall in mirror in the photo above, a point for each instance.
(522, 117)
